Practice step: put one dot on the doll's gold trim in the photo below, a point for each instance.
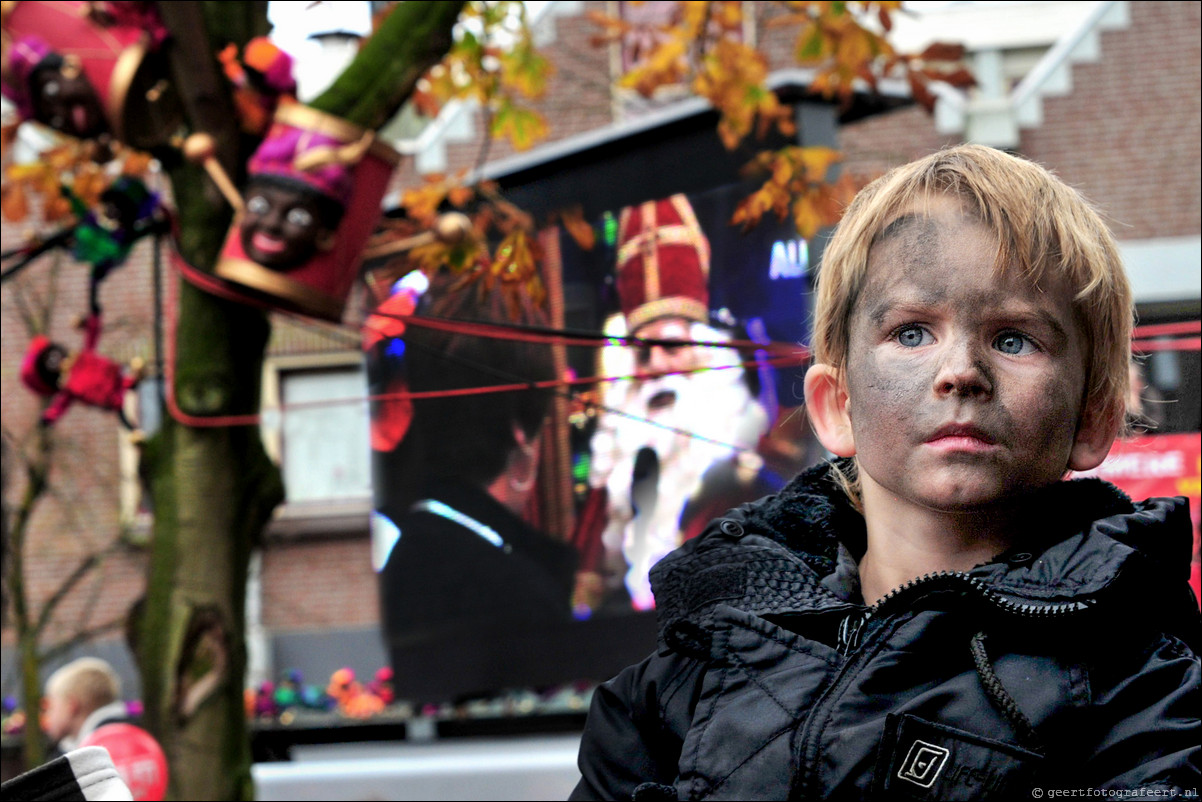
(310, 119)
(304, 297)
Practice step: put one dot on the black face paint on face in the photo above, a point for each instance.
(65, 100)
(50, 365)
(964, 387)
(283, 226)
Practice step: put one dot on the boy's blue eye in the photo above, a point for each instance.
(911, 336)
(1012, 343)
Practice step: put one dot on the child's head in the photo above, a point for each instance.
(1049, 244)
(76, 690)
(42, 367)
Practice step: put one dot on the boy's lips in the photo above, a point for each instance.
(961, 437)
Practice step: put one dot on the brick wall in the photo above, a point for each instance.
(319, 584)
(1127, 136)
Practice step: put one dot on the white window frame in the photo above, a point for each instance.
(346, 515)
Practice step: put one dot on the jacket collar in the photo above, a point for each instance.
(770, 556)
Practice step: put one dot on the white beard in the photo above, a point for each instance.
(714, 406)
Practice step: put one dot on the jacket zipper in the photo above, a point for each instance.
(851, 628)
(854, 626)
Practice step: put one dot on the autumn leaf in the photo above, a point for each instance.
(422, 202)
(812, 46)
(522, 126)
(583, 233)
(942, 51)
(922, 95)
(460, 196)
(425, 102)
(665, 66)
(525, 70)
(959, 78)
(14, 203)
(885, 18)
(515, 261)
(816, 161)
(806, 216)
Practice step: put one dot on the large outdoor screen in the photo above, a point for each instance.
(533, 464)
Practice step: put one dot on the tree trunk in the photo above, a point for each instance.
(214, 488)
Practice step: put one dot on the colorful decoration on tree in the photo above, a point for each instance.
(262, 77)
(104, 236)
(53, 372)
(88, 69)
(110, 216)
(312, 200)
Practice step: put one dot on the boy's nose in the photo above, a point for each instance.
(963, 373)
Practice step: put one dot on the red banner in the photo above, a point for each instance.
(1159, 465)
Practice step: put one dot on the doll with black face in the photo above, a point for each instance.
(64, 99)
(286, 222)
(49, 365)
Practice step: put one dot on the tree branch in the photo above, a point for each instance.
(74, 578)
(82, 635)
(414, 36)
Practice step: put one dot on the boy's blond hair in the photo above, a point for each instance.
(89, 680)
(1044, 228)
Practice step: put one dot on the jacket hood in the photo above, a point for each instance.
(769, 556)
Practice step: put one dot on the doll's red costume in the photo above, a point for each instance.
(86, 376)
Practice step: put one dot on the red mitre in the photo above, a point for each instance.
(663, 263)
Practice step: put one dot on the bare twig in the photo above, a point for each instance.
(85, 566)
(56, 649)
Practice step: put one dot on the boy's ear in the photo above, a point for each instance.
(828, 404)
(1095, 435)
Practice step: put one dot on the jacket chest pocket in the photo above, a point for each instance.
(919, 759)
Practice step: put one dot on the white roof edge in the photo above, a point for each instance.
(1059, 53)
(959, 105)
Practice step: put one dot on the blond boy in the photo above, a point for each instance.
(935, 614)
(79, 696)
(83, 708)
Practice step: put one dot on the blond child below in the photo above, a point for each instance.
(936, 613)
(82, 708)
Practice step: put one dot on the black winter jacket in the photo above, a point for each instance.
(1068, 662)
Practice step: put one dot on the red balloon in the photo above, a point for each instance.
(138, 757)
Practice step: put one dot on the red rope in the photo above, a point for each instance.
(1183, 344)
(504, 331)
(216, 286)
(219, 287)
(1162, 329)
